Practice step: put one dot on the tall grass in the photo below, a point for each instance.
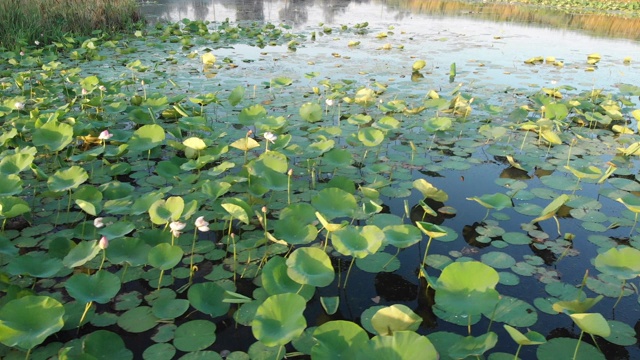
(23, 22)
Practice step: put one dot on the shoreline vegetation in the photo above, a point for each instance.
(32, 22)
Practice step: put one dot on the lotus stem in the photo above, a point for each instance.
(575, 353)
(635, 222)
(160, 279)
(346, 279)
(469, 325)
(279, 350)
(193, 248)
(426, 251)
(69, 202)
(624, 282)
(393, 257)
(557, 224)
(517, 352)
(486, 215)
(524, 139)
(104, 257)
(87, 306)
(595, 342)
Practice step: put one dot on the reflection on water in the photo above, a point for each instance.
(312, 12)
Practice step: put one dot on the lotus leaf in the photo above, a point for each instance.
(26, 322)
(279, 319)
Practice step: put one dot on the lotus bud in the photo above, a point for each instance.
(103, 243)
(105, 135)
(290, 172)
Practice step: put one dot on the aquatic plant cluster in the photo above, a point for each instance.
(165, 193)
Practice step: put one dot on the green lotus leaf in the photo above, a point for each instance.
(623, 262)
(334, 203)
(11, 206)
(431, 230)
(551, 209)
(53, 135)
(194, 143)
(311, 112)
(513, 311)
(279, 319)
(471, 346)
(245, 144)
(36, 264)
(400, 345)
(27, 321)
(249, 116)
(530, 338)
(116, 230)
(275, 280)
(165, 256)
(577, 305)
(631, 202)
(338, 157)
(310, 266)
(467, 288)
(592, 323)
(89, 199)
(134, 252)
(330, 304)
(370, 136)
(429, 191)
(401, 236)
(67, 179)
(565, 348)
(208, 298)
(105, 345)
(195, 335)
(16, 163)
(146, 138)
(294, 231)
(164, 211)
(357, 242)
(437, 124)
(81, 253)
(365, 97)
(238, 209)
(10, 185)
(397, 317)
(138, 320)
(100, 287)
(338, 339)
(496, 201)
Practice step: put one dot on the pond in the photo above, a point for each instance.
(339, 157)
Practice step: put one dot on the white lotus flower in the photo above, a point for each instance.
(19, 105)
(201, 224)
(176, 228)
(269, 136)
(97, 222)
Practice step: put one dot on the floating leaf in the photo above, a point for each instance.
(279, 319)
(394, 318)
(310, 266)
(338, 339)
(27, 321)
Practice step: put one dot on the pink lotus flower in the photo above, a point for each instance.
(105, 135)
(201, 224)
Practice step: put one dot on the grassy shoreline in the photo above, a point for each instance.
(28, 22)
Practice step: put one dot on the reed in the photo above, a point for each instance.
(26, 22)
